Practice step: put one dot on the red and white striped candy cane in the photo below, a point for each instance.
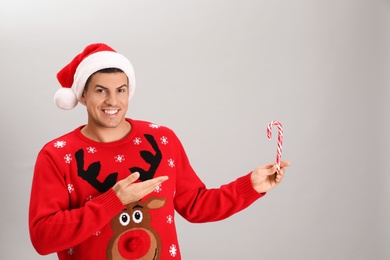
(280, 138)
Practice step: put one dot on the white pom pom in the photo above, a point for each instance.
(65, 98)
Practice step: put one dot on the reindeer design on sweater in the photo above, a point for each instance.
(134, 238)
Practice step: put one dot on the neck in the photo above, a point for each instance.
(107, 134)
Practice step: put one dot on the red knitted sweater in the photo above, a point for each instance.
(74, 211)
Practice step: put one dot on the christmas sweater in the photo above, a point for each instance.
(75, 212)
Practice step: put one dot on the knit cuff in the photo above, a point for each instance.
(110, 203)
(246, 188)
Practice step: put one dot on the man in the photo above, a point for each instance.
(110, 189)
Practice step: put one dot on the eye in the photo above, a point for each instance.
(124, 219)
(100, 90)
(137, 216)
(122, 90)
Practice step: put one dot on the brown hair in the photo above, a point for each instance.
(106, 70)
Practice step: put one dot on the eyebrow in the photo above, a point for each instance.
(103, 87)
(138, 206)
(134, 207)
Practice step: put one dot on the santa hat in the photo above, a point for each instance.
(74, 75)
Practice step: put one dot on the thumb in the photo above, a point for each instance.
(133, 177)
(271, 170)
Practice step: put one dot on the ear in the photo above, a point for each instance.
(155, 202)
(82, 98)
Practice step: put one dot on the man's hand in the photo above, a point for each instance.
(128, 191)
(266, 177)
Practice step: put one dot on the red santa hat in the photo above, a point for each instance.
(73, 76)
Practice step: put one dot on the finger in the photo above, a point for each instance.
(285, 164)
(156, 181)
(281, 172)
(160, 179)
(272, 170)
(151, 185)
(132, 178)
(278, 178)
(269, 166)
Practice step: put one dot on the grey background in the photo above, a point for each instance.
(217, 72)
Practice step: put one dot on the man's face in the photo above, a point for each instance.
(106, 98)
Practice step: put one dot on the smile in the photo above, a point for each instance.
(110, 111)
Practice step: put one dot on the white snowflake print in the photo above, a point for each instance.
(137, 141)
(97, 233)
(119, 158)
(91, 150)
(154, 126)
(70, 251)
(68, 158)
(173, 250)
(164, 140)
(59, 144)
(169, 219)
(158, 189)
(89, 198)
(70, 188)
(171, 163)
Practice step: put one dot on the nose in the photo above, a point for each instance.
(111, 99)
(134, 244)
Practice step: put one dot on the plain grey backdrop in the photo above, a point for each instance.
(217, 72)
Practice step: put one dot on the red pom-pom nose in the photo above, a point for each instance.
(134, 244)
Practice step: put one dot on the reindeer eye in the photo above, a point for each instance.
(124, 219)
(137, 216)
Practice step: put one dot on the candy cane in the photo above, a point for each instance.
(280, 138)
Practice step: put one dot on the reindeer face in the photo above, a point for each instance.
(133, 237)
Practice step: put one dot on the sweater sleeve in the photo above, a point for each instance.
(198, 204)
(53, 225)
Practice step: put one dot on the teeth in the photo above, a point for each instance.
(111, 112)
